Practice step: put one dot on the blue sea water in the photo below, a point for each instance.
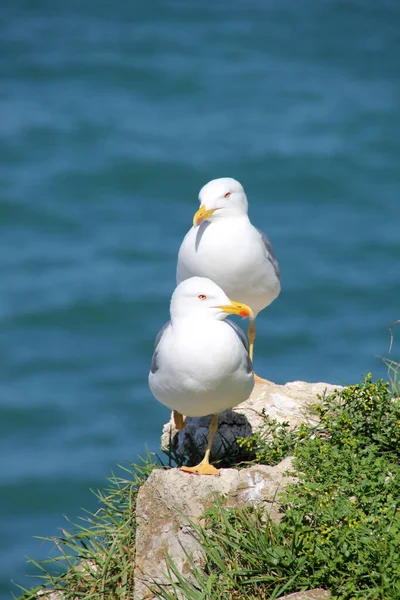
(112, 116)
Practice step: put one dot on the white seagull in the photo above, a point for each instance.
(201, 364)
(224, 246)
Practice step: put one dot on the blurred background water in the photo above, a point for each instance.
(112, 116)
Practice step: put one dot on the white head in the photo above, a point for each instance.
(219, 199)
(202, 298)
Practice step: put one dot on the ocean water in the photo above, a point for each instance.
(112, 116)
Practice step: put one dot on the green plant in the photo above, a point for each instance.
(271, 444)
(362, 415)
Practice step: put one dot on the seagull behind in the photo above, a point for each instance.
(224, 246)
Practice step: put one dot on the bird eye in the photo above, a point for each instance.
(202, 297)
(227, 195)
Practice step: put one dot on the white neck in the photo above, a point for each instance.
(229, 213)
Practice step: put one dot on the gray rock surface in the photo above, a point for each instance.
(316, 594)
(290, 402)
(169, 498)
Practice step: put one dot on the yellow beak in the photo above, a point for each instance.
(202, 215)
(235, 308)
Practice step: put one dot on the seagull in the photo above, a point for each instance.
(201, 363)
(224, 246)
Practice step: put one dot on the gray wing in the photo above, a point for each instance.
(154, 361)
(270, 253)
(242, 337)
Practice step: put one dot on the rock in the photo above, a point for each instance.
(50, 595)
(290, 402)
(169, 498)
(317, 594)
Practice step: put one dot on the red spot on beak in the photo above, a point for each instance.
(243, 313)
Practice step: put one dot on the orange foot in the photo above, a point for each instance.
(203, 468)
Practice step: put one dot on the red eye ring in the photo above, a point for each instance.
(202, 296)
(227, 195)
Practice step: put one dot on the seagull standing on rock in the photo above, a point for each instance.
(201, 363)
(224, 246)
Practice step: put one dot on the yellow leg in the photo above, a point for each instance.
(178, 418)
(251, 334)
(204, 468)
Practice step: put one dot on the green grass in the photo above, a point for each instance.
(393, 375)
(96, 559)
(340, 528)
(393, 367)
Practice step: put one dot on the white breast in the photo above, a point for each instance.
(202, 369)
